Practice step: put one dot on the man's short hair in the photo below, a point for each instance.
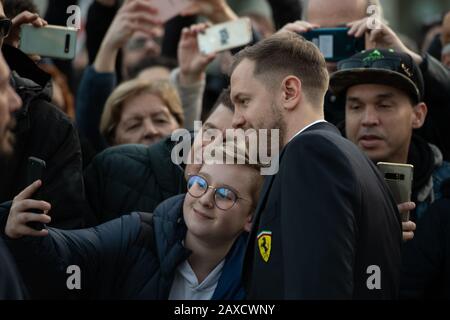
(285, 54)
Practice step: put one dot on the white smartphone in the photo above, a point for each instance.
(49, 41)
(399, 178)
(168, 9)
(225, 36)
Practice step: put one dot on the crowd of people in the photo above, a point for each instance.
(142, 226)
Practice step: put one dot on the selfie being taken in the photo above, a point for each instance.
(224, 151)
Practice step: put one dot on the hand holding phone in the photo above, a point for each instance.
(48, 41)
(399, 178)
(225, 36)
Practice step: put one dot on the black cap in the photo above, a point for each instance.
(379, 66)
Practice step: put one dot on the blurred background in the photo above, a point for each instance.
(406, 16)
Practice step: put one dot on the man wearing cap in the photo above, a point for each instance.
(383, 91)
(353, 14)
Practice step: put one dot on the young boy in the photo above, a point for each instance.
(191, 248)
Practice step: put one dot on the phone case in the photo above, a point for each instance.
(49, 41)
(35, 170)
(399, 178)
(226, 36)
(334, 43)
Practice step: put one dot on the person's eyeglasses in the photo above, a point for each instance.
(224, 198)
(5, 27)
(393, 64)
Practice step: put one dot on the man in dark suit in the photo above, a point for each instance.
(326, 226)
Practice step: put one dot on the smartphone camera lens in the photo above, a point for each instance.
(67, 44)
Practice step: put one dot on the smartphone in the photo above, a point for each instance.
(168, 9)
(35, 171)
(399, 178)
(49, 41)
(334, 43)
(225, 36)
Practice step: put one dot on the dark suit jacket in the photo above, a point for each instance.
(322, 222)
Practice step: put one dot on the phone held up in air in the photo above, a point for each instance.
(399, 178)
(35, 171)
(49, 41)
(334, 43)
(225, 36)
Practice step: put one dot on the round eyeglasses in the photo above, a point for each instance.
(224, 197)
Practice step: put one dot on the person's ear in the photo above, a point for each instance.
(291, 90)
(420, 113)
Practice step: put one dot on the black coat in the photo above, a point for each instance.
(11, 286)
(43, 131)
(426, 258)
(322, 221)
(131, 178)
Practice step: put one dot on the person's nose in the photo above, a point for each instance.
(15, 102)
(238, 120)
(150, 128)
(370, 117)
(207, 199)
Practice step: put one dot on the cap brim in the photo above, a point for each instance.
(340, 81)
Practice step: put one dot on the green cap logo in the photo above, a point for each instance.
(373, 56)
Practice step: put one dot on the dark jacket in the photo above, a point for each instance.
(323, 224)
(426, 258)
(437, 97)
(430, 171)
(43, 131)
(131, 178)
(11, 285)
(93, 91)
(121, 259)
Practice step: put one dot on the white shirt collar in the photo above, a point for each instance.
(186, 287)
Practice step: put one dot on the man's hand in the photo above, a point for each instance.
(19, 215)
(192, 62)
(408, 227)
(299, 27)
(134, 15)
(22, 18)
(217, 11)
(381, 37)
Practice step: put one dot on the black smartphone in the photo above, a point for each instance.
(334, 43)
(35, 170)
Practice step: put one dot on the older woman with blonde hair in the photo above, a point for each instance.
(140, 111)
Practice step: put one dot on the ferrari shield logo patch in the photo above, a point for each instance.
(265, 244)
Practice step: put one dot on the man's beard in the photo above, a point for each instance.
(276, 122)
